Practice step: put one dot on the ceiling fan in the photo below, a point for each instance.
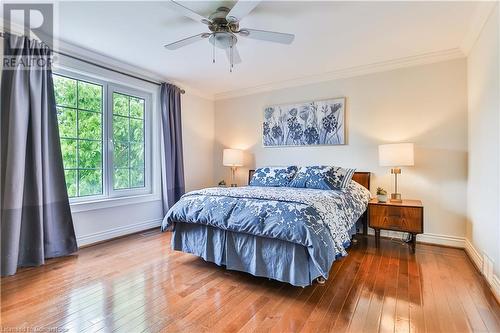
(224, 27)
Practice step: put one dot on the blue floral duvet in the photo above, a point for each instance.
(320, 220)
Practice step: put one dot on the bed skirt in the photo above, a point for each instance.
(272, 258)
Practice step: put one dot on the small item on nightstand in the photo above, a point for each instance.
(222, 183)
(381, 194)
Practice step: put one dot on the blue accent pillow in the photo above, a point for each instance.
(322, 177)
(273, 176)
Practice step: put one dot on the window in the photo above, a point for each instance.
(104, 137)
(128, 140)
(79, 111)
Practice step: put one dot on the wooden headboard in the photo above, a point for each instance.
(362, 178)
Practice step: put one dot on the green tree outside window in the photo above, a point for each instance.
(79, 113)
(128, 139)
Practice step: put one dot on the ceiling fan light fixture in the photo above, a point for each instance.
(223, 40)
(226, 41)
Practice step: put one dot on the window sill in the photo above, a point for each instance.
(97, 204)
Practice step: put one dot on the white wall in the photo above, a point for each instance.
(483, 225)
(104, 220)
(426, 105)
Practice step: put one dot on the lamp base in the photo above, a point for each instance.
(233, 177)
(396, 197)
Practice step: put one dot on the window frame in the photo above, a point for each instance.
(108, 87)
(133, 92)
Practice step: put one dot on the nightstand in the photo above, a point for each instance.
(407, 216)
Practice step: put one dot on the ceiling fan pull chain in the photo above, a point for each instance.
(213, 52)
(231, 60)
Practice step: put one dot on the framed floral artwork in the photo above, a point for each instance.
(305, 124)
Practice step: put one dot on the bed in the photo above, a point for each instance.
(287, 234)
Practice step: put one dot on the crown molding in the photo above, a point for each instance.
(107, 61)
(483, 12)
(421, 59)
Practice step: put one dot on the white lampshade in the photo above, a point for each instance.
(232, 157)
(396, 154)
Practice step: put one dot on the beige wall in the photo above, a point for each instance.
(483, 227)
(198, 141)
(426, 105)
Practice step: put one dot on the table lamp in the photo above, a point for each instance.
(232, 158)
(396, 155)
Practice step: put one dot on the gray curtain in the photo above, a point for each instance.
(36, 218)
(172, 168)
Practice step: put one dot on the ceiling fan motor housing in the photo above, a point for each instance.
(220, 23)
(223, 31)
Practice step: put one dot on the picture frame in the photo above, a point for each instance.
(310, 123)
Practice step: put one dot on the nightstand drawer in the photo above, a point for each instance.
(407, 219)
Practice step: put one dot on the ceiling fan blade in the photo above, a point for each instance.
(186, 41)
(188, 12)
(270, 36)
(236, 55)
(241, 9)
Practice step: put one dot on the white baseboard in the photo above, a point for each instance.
(495, 287)
(485, 266)
(117, 232)
(474, 255)
(445, 240)
(452, 241)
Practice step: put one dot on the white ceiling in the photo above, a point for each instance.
(329, 36)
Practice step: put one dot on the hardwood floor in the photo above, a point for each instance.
(137, 283)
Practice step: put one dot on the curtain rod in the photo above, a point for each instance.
(2, 35)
